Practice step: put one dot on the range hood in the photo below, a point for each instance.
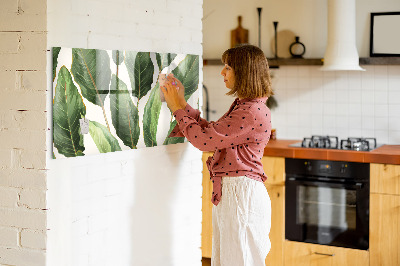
(341, 51)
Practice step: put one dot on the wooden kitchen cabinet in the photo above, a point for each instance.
(274, 168)
(306, 254)
(277, 233)
(385, 178)
(384, 236)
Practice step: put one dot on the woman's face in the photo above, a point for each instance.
(229, 76)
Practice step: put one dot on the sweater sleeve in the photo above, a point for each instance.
(234, 129)
(193, 113)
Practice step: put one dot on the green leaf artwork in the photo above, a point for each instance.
(68, 108)
(188, 73)
(118, 57)
(56, 51)
(141, 70)
(91, 70)
(173, 140)
(124, 114)
(93, 86)
(164, 60)
(103, 139)
(150, 117)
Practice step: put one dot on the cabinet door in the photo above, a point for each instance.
(277, 233)
(206, 233)
(385, 178)
(384, 236)
(305, 254)
(274, 168)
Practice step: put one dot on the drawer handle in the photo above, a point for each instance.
(324, 254)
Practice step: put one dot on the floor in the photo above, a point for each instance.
(206, 261)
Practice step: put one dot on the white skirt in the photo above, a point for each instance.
(241, 223)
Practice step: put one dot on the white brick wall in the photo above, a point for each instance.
(23, 125)
(140, 207)
(99, 206)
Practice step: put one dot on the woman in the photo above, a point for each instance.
(241, 213)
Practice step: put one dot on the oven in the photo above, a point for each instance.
(327, 203)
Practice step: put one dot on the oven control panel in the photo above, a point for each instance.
(338, 169)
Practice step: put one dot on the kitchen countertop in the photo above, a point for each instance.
(389, 154)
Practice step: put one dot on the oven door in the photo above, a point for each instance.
(327, 213)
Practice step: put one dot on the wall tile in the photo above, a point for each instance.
(380, 84)
(394, 123)
(394, 137)
(394, 97)
(382, 136)
(381, 97)
(394, 110)
(368, 99)
(381, 110)
(367, 96)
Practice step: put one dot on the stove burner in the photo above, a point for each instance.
(332, 142)
(358, 144)
(328, 142)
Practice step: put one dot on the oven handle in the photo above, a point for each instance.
(325, 254)
(357, 185)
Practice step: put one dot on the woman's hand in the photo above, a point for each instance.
(173, 91)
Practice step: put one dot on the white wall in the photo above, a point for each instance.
(311, 102)
(305, 18)
(138, 207)
(23, 132)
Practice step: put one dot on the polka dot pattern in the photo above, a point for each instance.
(238, 139)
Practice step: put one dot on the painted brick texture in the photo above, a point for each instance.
(23, 132)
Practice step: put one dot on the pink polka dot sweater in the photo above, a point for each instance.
(238, 139)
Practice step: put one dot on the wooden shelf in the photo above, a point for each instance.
(274, 63)
(380, 61)
(295, 62)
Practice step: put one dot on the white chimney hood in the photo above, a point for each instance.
(341, 51)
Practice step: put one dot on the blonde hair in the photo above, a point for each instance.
(250, 66)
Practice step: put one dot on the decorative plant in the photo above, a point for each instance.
(91, 71)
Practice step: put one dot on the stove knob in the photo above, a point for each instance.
(343, 168)
(308, 166)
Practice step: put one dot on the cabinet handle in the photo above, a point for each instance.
(317, 253)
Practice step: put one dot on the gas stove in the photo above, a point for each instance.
(332, 142)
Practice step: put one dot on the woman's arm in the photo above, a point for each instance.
(239, 127)
(175, 99)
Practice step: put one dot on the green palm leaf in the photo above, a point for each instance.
(151, 116)
(91, 70)
(140, 70)
(68, 108)
(164, 59)
(118, 57)
(102, 137)
(124, 114)
(188, 73)
(56, 51)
